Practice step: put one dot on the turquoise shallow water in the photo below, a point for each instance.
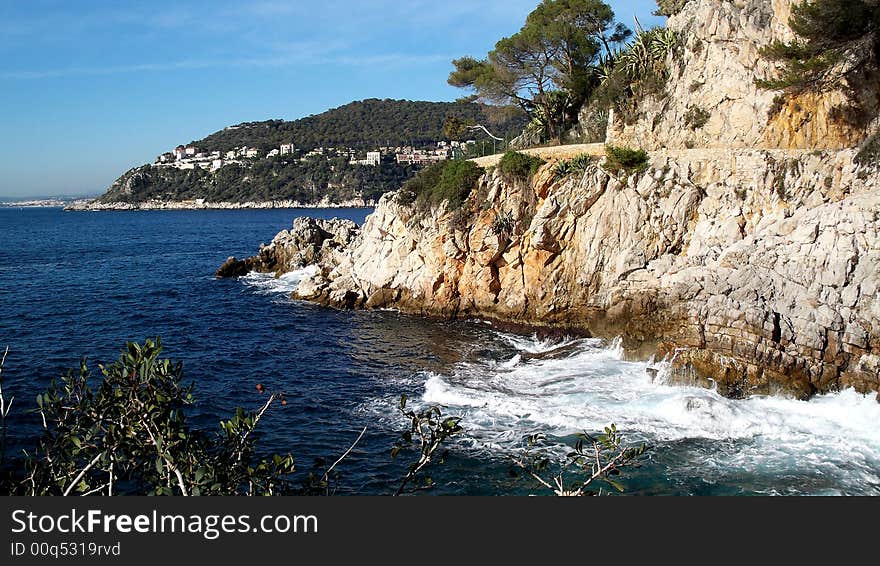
(75, 284)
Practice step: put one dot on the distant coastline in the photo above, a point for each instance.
(42, 203)
(199, 204)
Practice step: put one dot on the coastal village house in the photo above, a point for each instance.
(190, 157)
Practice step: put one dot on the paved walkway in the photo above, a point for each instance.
(555, 152)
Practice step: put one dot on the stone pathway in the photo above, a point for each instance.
(555, 152)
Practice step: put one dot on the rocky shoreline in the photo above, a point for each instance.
(757, 273)
(95, 206)
(747, 253)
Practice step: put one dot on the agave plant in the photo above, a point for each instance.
(605, 65)
(578, 164)
(558, 102)
(663, 40)
(563, 169)
(647, 54)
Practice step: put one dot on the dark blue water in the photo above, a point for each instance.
(82, 284)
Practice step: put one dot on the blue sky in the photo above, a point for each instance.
(91, 88)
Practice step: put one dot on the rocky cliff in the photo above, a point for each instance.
(750, 260)
(711, 99)
(758, 270)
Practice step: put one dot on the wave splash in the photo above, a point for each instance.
(561, 388)
(268, 284)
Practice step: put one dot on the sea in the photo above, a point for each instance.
(79, 284)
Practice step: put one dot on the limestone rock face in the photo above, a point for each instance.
(756, 269)
(714, 72)
(309, 241)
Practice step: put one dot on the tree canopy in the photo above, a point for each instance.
(548, 67)
(837, 41)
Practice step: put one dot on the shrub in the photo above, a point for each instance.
(625, 159)
(457, 179)
(696, 117)
(450, 181)
(428, 430)
(503, 224)
(593, 459)
(515, 166)
(576, 165)
(869, 153)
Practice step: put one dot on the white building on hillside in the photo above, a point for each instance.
(374, 158)
(286, 149)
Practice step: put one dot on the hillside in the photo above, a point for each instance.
(355, 127)
(365, 124)
(263, 181)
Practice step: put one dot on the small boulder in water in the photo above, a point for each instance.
(233, 267)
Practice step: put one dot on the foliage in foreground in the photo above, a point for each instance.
(593, 460)
(128, 434)
(429, 429)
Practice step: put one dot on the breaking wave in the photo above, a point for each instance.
(268, 284)
(573, 385)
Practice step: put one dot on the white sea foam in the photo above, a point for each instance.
(574, 385)
(268, 284)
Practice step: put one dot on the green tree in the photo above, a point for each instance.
(548, 67)
(837, 44)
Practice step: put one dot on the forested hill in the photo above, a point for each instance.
(366, 124)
